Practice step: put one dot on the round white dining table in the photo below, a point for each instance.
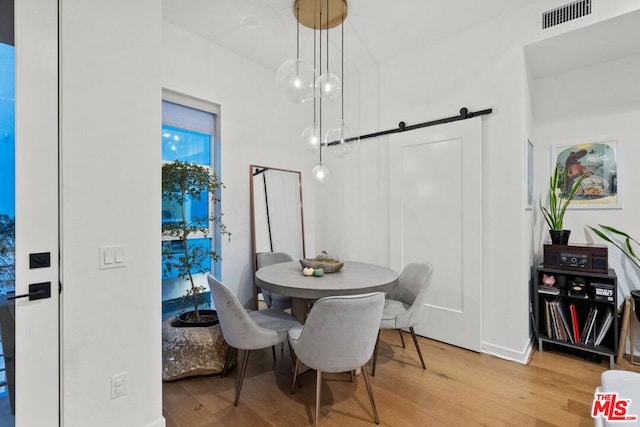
(354, 278)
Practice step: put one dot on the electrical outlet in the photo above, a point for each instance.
(118, 385)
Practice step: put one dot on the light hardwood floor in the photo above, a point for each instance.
(458, 388)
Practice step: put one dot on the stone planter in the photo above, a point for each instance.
(191, 351)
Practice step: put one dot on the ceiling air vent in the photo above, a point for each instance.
(568, 12)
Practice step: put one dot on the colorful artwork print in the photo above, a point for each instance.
(598, 162)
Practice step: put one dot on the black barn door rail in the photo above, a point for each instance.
(402, 126)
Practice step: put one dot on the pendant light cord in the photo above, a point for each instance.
(328, 15)
(298, 31)
(315, 26)
(320, 100)
(342, 64)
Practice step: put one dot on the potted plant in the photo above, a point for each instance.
(608, 233)
(183, 182)
(560, 195)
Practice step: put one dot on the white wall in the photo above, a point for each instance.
(592, 100)
(596, 103)
(110, 174)
(257, 128)
(480, 68)
(116, 57)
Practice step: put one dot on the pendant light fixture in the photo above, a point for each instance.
(343, 138)
(294, 78)
(321, 172)
(310, 135)
(328, 85)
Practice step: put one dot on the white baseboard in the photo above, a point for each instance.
(509, 354)
(161, 422)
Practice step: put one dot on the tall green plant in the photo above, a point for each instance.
(182, 182)
(608, 233)
(558, 202)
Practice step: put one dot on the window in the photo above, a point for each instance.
(7, 208)
(190, 133)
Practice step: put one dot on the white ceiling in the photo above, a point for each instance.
(264, 31)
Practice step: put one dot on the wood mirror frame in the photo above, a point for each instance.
(277, 218)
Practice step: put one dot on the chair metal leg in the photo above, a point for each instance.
(292, 354)
(318, 390)
(245, 360)
(370, 392)
(415, 341)
(295, 377)
(632, 333)
(375, 355)
(401, 337)
(227, 361)
(294, 362)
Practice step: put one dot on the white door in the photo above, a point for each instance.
(36, 212)
(436, 217)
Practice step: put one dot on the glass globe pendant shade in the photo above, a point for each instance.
(344, 140)
(320, 173)
(311, 138)
(294, 81)
(328, 86)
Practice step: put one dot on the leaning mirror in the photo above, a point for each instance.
(277, 223)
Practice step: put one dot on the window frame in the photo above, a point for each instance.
(215, 163)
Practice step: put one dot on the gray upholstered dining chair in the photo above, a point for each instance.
(247, 330)
(338, 336)
(403, 304)
(270, 298)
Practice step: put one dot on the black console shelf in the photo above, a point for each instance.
(564, 317)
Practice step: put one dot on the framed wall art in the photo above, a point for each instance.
(528, 173)
(599, 161)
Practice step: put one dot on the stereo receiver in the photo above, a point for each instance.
(589, 258)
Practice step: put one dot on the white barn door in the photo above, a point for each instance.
(436, 217)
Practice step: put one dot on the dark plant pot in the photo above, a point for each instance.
(636, 301)
(559, 237)
(187, 319)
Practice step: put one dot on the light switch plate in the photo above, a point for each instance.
(112, 256)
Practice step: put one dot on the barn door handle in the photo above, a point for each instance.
(36, 291)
